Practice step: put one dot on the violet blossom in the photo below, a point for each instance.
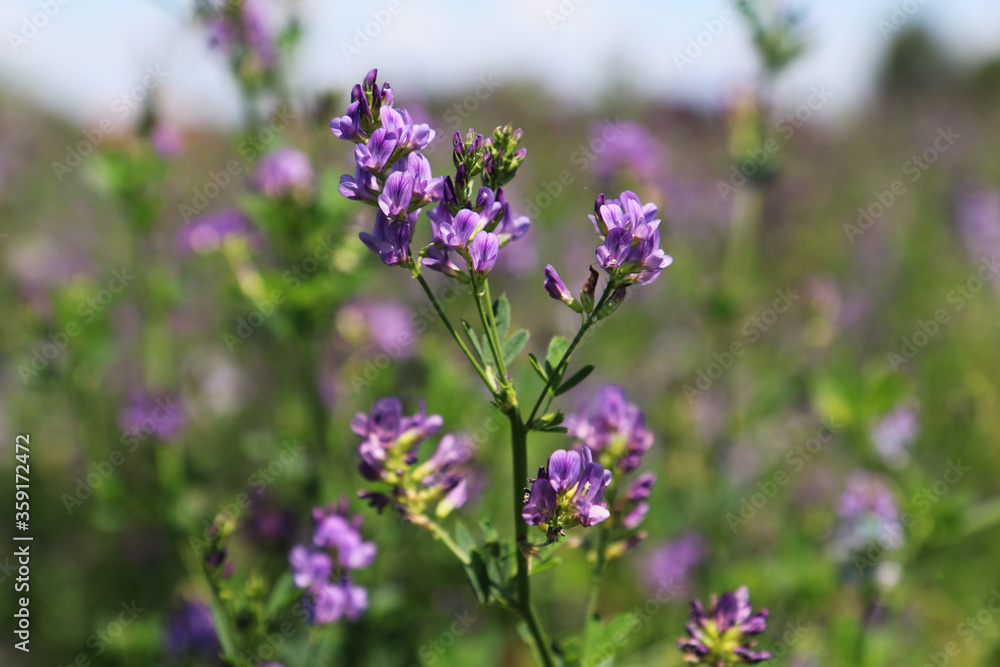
(630, 252)
(568, 491)
(613, 428)
(284, 172)
(722, 635)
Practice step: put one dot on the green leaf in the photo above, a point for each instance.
(474, 339)
(546, 564)
(514, 345)
(577, 378)
(538, 368)
(283, 593)
(557, 348)
(602, 637)
(501, 313)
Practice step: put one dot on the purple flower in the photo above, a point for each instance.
(167, 140)
(426, 188)
(348, 127)
(630, 252)
(240, 30)
(383, 325)
(391, 239)
(868, 515)
(375, 155)
(147, 415)
(629, 146)
(977, 214)
(510, 227)
(458, 231)
(671, 563)
(633, 507)
(330, 594)
(190, 631)
(557, 289)
(284, 172)
(206, 234)
(363, 186)
(722, 635)
(394, 201)
(614, 428)
(411, 136)
(567, 492)
(894, 433)
(387, 434)
(483, 252)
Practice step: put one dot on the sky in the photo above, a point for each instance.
(79, 57)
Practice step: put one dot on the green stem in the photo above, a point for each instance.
(519, 450)
(492, 329)
(443, 535)
(489, 327)
(569, 352)
(594, 590)
(451, 329)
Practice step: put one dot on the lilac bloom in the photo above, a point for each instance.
(190, 632)
(396, 195)
(541, 503)
(723, 634)
(568, 491)
(426, 188)
(868, 516)
(483, 252)
(206, 234)
(284, 172)
(557, 289)
(894, 434)
(613, 428)
(375, 155)
(348, 127)
(391, 240)
(308, 566)
(634, 506)
(459, 231)
(630, 252)
(411, 136)
(509, 228)
(167, 140)
(325, 603)
(671, 563)
(363, 186)
(146, 415)
(630, 147)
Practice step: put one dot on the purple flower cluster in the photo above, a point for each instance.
(389, 454)
(207, 233)
(322, 567)
(868, 514)
(613, 428)
(190, 631)
(167, 140)
(147, 415)
(392, 174)
(628, 146)
(567, 492)
(631, 250)
(284, 172)
(670, 564)
(722, 635)
(894, 434)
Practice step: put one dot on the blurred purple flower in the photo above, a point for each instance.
(613, 428)
(206, 234)
(167, 140)
(894, 434)
(190, 631)
(634, 506)
(284, 172)
(240, 29)
(160, 416)
(321, 568)
(671, 563)
(628, 146)
(977, 213)
(868, 515)
(722, 635)
(385, 431)
(384, 325)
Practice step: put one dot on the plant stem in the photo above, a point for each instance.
(451, 329)
(519, 450)
(594, 590)
(490, 329)
(443, 535)
(569, 352)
